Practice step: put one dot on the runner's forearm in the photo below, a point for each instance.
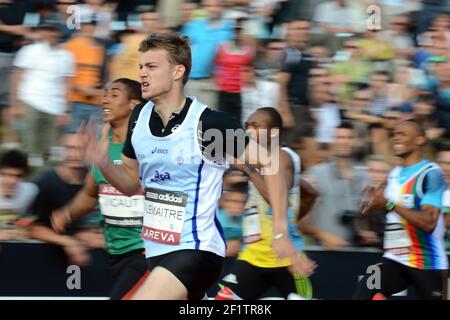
(426, 219)
(121, 178)
(82, 205)
(43, 233)
(276, 188)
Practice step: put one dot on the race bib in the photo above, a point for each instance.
(396, 239)
(120, 210)
(251, 225)
(164, 216)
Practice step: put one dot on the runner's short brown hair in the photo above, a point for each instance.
(176, 46)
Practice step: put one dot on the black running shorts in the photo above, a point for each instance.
(197, 270)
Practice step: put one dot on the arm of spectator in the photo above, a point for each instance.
(18, 108)
(76, 253)
(283, 99)
(17, 30)
(15, 234)
(308, 227)
(364, 234)
(325, 238)
(84, 202)
(358, 116)
(91, 238)
(90, 91)
(308, 197)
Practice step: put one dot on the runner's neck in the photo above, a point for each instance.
(119, 132)
(412, 159)
(165, 107)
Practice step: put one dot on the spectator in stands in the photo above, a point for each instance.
(430, 9)
(63, 16)
(443, 159)
(375, 49)
(57, 186)
(232, 57)
(256, 92)
(39, 91)
(399, 38)
(102, 12)
(125, 61)
(337, 16)
(349, 69)
(206, 35)
(16, 195)
(424, 111)
(337, 20)
(187, 8)
(339, 184)
(442, 96)
(269, 59)
(401, 91)
(370, 225)
(12, 30)
(327, 116)
(86, 86)
(378, 86)
(294, 74)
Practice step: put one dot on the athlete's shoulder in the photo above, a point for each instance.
(213, 119)
(137, 110)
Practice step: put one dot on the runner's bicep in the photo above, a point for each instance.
(90, 186)
(130, 166)
(431, 213)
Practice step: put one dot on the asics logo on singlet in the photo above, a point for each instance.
(160, 177)
(159, 150)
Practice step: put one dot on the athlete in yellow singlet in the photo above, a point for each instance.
(258, 266)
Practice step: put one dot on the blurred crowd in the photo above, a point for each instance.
(342, 74)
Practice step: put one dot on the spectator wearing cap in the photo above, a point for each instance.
(63, 15)
(16, 195)
(39, 91)
(102, 13)
(86, 86)
(12, 30)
